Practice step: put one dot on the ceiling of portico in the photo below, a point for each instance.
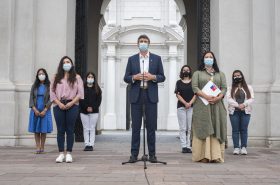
(157, 34)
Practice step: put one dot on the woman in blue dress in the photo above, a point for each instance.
(40, 119)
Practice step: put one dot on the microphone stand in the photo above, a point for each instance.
(144, 158)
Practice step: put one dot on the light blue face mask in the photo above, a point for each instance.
(67, 67)
(208, 61)
(143, 47)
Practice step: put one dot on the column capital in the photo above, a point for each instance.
(172, 43)
(111, 48)
(173, 48)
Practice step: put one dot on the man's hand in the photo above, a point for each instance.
(138, 76)
(148, 76)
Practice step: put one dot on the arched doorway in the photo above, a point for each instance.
(89, 22)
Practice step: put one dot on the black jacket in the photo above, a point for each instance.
(91, 99)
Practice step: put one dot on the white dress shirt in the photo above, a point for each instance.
(144, 66)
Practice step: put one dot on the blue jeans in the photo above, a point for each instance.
(65, 122)
(239, 123)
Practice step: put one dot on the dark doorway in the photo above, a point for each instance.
(198, 30)
(87, 39)
(86, 45)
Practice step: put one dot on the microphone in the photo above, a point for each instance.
(143, 70)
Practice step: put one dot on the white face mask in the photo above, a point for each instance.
(42, 77)
(90, 80)
(67, 67)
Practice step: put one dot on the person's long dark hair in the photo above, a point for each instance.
(181, 72)
(60, 73)
(37, 82)
(95, 83)
(243, 84)
(215, 65)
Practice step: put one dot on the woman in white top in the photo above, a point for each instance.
(240, 98)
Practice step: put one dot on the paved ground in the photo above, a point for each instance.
(20, 166)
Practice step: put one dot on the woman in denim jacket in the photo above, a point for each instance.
(240, 98)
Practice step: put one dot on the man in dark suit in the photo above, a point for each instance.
(144, 71)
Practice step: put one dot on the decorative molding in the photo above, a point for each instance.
(104, 5)
(7, 86)
(181, 6)
(116, 32)
(204, 27)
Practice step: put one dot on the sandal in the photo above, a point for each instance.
(204, 160)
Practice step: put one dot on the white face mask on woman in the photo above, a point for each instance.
(42, 77)
(67, 67)
(90, 80)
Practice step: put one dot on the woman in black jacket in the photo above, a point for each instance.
(90, 109)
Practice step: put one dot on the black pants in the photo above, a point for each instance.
(151, 122)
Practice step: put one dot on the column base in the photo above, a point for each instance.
(273, 142)
(172, 122)
(25, 140)
(110, 121)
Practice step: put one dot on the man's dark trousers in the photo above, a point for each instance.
(151, 120)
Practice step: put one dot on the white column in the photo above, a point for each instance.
(110, 121)
(112, 13)
(8, 129)
(273, 135)
(172, 121)
(172, 14)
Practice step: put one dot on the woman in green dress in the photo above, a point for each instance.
(209, 121)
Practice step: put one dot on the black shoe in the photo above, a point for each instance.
(185, 150)
(152, 158)
(87, 148)
(132, 159)
(188, 150)
(90, 148)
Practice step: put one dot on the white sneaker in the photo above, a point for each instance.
(243, 151)
(69, 158)
(236, 151)
(60, 158)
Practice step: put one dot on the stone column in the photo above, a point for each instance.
(110, 121)
(8, 129)
(172, 14)
(172, 121)
(112, 14)
(273, 137)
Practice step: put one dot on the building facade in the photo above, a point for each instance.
(244, 34)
